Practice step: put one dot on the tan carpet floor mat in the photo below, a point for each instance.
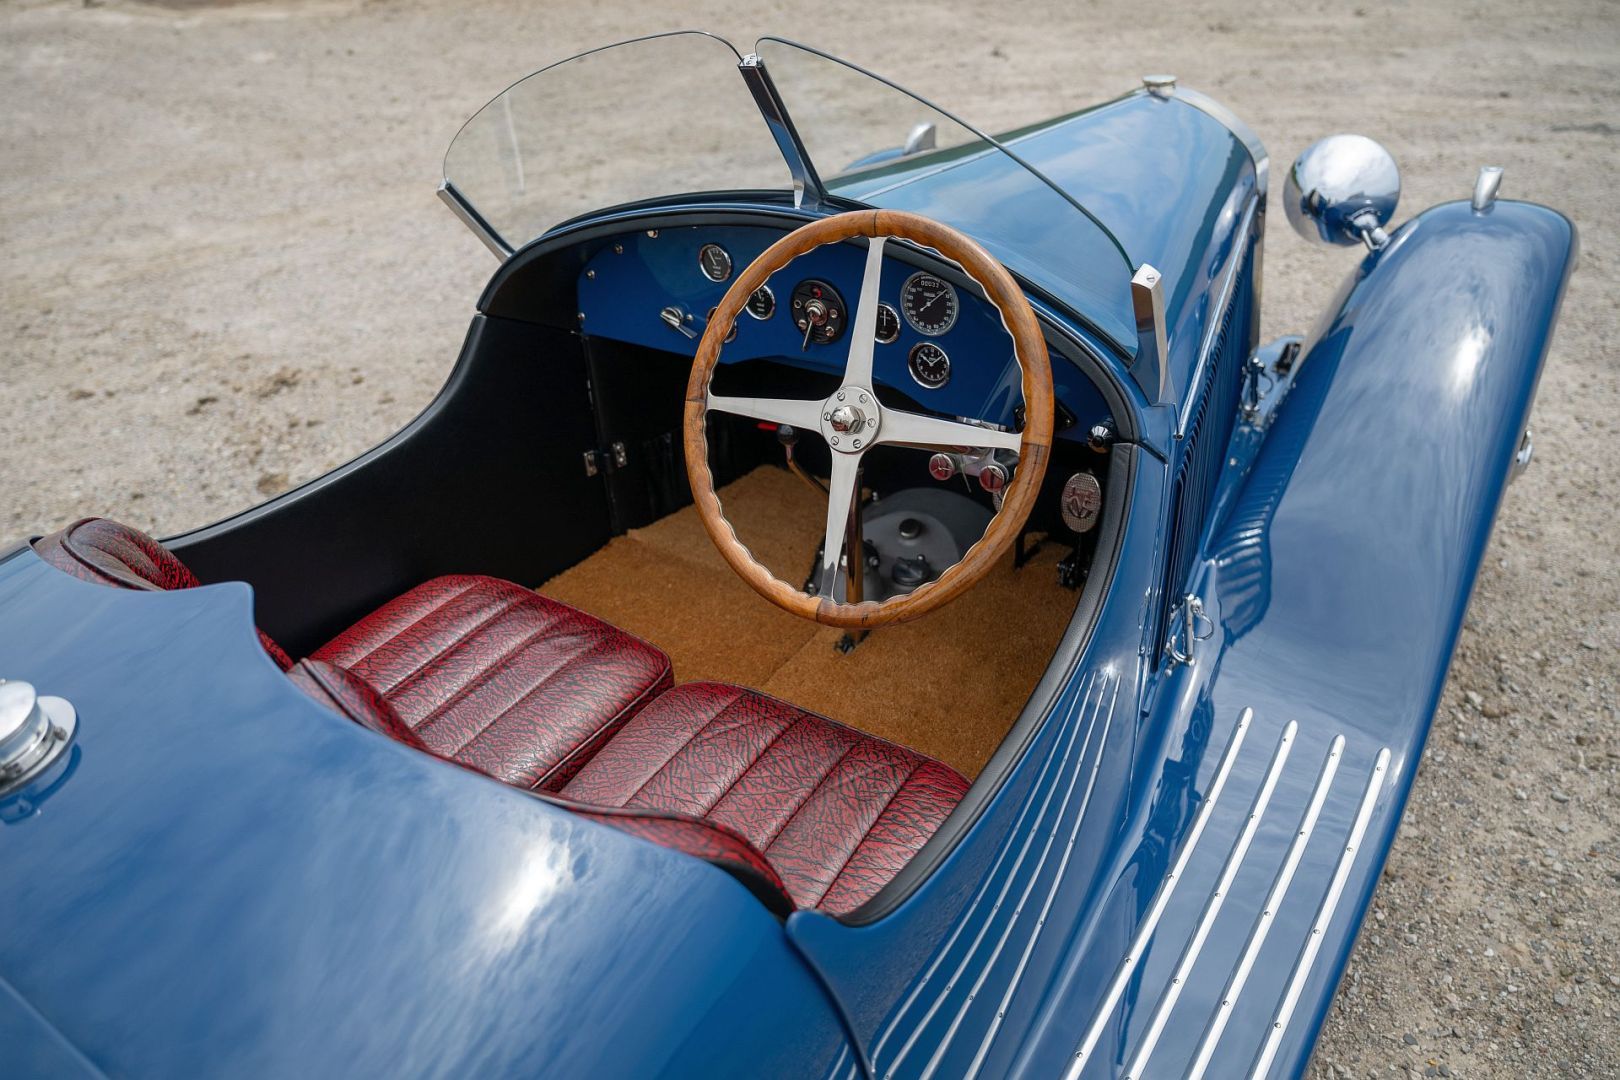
(948, 685)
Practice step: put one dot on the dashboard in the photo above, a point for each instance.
(939, 343)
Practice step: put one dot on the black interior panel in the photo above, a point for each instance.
(489, 479)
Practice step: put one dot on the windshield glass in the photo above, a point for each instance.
(876, 143)
(654, 117)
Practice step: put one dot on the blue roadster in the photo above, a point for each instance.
(864, 604)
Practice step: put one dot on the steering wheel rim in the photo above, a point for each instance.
(873, 425)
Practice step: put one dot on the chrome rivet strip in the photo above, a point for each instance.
(1212, 907)
(1053, 762)
(1128, 965)
(1051, 895)
(1268, 914)
(1324, 915)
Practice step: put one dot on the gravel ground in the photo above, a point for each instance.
(223, 272)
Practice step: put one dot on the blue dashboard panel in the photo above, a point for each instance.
(626, 285)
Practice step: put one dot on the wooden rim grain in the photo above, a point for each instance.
(1029, 346)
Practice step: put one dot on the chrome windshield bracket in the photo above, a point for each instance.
(1188, 626)
(471, 218)
(807, 189)
(1151, 368)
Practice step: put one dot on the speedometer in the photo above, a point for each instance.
(929, 303)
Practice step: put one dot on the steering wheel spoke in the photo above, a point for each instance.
(915, 429)
(804, 415)
(863, 332)
(841, 503)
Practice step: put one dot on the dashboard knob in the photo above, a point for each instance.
(993, 478)
(942, 466)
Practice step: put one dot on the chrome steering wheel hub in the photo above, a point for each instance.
(850, 419)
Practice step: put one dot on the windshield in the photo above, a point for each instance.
(679, 114)
(653, 117)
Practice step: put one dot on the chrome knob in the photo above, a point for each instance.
(942, 467)
(993, 478)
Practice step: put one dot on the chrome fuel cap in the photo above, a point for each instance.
(34, 731)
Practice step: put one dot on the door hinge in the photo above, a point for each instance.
(614, 457)
(1188, 626)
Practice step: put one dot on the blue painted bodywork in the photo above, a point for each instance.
(238, 882)
(234, 881)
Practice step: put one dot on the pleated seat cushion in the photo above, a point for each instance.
(499, 678)
(836, 813)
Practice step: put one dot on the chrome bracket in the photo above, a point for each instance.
(1522, 456)
(1188, 626)
(1151, 368)
(470, 217)
(807, 189)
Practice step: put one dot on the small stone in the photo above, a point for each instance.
(272, 483)
(80, 394)
(1474, 699)
(1559, 797)
(1409, 1039)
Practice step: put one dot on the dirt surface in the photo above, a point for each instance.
(223, 271)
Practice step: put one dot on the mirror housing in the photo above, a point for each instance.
(1343, 190)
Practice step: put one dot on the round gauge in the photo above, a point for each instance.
(715, 262)
(929, 365)
(929, 303)
(888, 325)
(818, 312)
(762, 305)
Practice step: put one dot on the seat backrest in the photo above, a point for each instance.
(108, 553)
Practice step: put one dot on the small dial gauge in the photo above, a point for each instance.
(818, 312)
(929, 365)
(888, 325)
(715, 262)
(929, 303)
(762, 305)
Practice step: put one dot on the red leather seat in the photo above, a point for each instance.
(834, 812)
(499, 678)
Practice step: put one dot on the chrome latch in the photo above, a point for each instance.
(1188, 626)
(1257, 383)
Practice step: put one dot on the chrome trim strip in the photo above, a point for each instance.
(1053, 761)
(1324, 915)
(1216, 315)
(1241, 131)
(1212, 906)
(1128, 965)
(471, 218)
(1268, 914)
(1051, 894)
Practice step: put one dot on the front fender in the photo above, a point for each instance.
(1335, 579)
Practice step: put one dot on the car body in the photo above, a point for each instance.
(1162, 867)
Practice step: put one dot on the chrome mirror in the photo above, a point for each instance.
(1343, 190)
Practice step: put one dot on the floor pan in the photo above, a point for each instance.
(948, 685)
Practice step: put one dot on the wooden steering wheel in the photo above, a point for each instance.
(852, 422)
